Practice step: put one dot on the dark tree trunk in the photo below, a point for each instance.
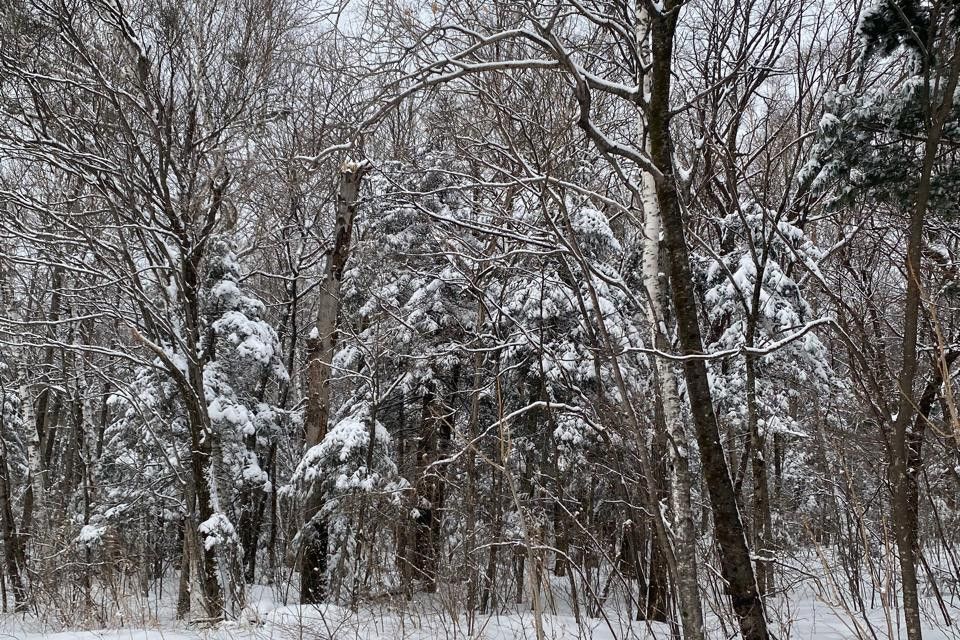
(735, 562)
(432, 445)
(183, 588)
(658, 586)
(13, 552)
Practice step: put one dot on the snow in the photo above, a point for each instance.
(225, 289)
(338, 466)
(108, 634)
(593, 226)
(253, 338)
(809, 610)
(806, 618)
(218, 531)
(91, 536)
(829, 122)
(265, 618)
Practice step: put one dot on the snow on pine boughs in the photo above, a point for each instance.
(147, 446)
(218, 531)
(244, 354)
(782, 310)
(353, 470)
(869, 141)
(13, 429)
(347, 462)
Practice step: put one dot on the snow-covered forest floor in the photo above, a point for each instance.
(810, 609)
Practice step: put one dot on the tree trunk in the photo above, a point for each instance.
(902, 473)
(735, 562)
(668, 397)
(13, 554)
(183, 588)
(762, 522)
(207, 560)
(433, 443)
(320, 350)
(202, 438)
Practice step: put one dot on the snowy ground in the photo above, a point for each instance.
(803, 616)
(291, 623)
(809, 621)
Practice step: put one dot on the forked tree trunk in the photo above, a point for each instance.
(735, 562)
(688, 589)
(320, 349)
(668, 396)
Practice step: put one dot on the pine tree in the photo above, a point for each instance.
(241, 369)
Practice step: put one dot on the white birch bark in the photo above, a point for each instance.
(691, 611)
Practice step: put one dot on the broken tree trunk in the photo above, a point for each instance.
(320, 349)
